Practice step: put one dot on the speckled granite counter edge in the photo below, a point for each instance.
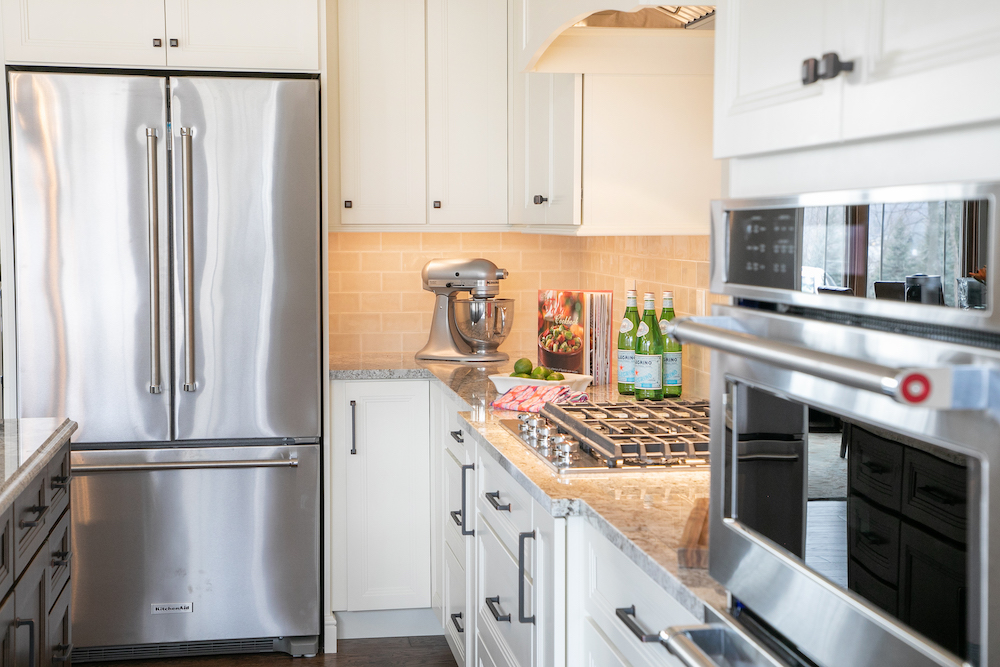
(383, 374)
(29, 470)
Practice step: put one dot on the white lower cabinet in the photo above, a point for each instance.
(456, 612)
(597, 649)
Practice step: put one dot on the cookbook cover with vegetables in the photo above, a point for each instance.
(574, 332)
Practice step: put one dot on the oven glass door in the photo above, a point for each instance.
(881, 514)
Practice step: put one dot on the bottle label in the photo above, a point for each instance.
(663, 327)
(648, 373)
(671, 369)
(626, 366)
(626, 326)
(643, 329)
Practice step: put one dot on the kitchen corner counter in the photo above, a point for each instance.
(26, 447)
(642, 514)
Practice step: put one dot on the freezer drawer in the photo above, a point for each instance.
(194, 544)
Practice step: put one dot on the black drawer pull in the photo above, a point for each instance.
(456, 515)
(458, 436)
(494, 498)
(454, 619)
(875, 468)
(520, 577)
(465, 530)
(493, 603)
(18, 622)
(627, 616)
(36, 509)
(67, 650)
(940, 495)
(872, 538)
(61, 558)
(61, 482)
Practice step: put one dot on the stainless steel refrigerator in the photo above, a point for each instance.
(167, 266)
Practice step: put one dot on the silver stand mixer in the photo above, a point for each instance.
(472, 329)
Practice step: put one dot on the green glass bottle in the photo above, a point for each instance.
(671, 351)
(649, 353)
(626, 344)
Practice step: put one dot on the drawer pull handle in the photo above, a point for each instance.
(18, 622)
(61, 558)
(67, 650)
(493, 603)
(875, 468)
(354, 427)
(494, 498)
(456, 515)
(872, 538)
(465, 531)
(61, 482)
(36, 509)
(458, 436)
(940, 495)
(454, 619)
(520, 577)
(627, 616)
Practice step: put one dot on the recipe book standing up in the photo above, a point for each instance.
(575, 331)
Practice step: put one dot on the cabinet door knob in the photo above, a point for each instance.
(348, 203)
(810, 67)
(437, 204)
(157, 42)
(830, 65)
(174, 42)
(539, 199)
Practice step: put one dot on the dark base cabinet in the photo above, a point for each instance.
(34, 563)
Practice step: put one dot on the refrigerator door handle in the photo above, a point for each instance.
(187, 211)
(184, 465)
(153, 213)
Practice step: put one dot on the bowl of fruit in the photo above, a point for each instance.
(560, 347)
(538, 376)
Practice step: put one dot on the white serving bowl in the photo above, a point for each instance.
(574, 381)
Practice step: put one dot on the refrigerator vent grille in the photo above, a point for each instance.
(171, 650)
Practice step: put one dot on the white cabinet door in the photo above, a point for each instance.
(761, 104)
(647, 154)
(248, 34)
(456, 620)
(467, 111)
(918, 74)
(546, 148)
(597, 650)
(388, 496)
(84, 32)
(382, 112)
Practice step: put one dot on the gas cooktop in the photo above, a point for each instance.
(627, 437)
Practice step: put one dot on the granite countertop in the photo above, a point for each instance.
(26, 447)
(643, 514)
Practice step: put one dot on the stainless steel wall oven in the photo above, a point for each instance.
(855, 427)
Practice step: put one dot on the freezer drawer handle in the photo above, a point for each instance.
(187, 211)
(627, 616)
(67, 650)
(454, 619)
(186, 465)
(494, 498)
(354, 427)
(520, 577)
(465, 531)
(61, 558)
(18, 622)
(457, 435)
(61, 482)
(153, 216)
(35, 509)
(494, 604)
(456, 515)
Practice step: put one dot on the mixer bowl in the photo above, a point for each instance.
(484, 324)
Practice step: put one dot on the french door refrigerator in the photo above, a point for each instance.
(167, 245)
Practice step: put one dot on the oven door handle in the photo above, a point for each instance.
(960, 387)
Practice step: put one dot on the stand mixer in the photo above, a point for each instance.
(466, 330)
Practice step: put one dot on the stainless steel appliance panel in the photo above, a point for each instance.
(90, 153)
(226, 548)
(246, 234)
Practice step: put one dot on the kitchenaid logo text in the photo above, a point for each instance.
(172, 608)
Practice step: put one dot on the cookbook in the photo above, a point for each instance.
(575, 331)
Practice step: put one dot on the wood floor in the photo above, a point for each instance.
(385, 652)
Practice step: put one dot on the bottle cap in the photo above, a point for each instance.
(668, 295)
(648, 295)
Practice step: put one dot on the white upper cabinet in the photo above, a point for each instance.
(467, 111)
(189, 34)
(85, 32)
(761, 104)
(382, 112)
(243, 34)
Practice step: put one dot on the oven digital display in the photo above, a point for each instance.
(763, 248)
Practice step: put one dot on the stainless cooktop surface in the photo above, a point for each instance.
(630, 437)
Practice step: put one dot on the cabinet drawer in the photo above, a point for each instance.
(508, 640)
(59, 629)
(873, 539)
(875, 467)
(31, 522)
(59, 552)
(505, 506)
(614, 582)
(934, 494)
(452, 510)
(457, 624)
(875, 591)
(6, 551)
(597, 650)
(59, 481)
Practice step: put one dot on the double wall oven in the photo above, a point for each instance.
(855, 434)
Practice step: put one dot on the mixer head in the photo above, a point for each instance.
(480, 277)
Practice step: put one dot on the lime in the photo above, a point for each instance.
(523, 375)
(556, 376)
(540, 373)
(522, 365)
